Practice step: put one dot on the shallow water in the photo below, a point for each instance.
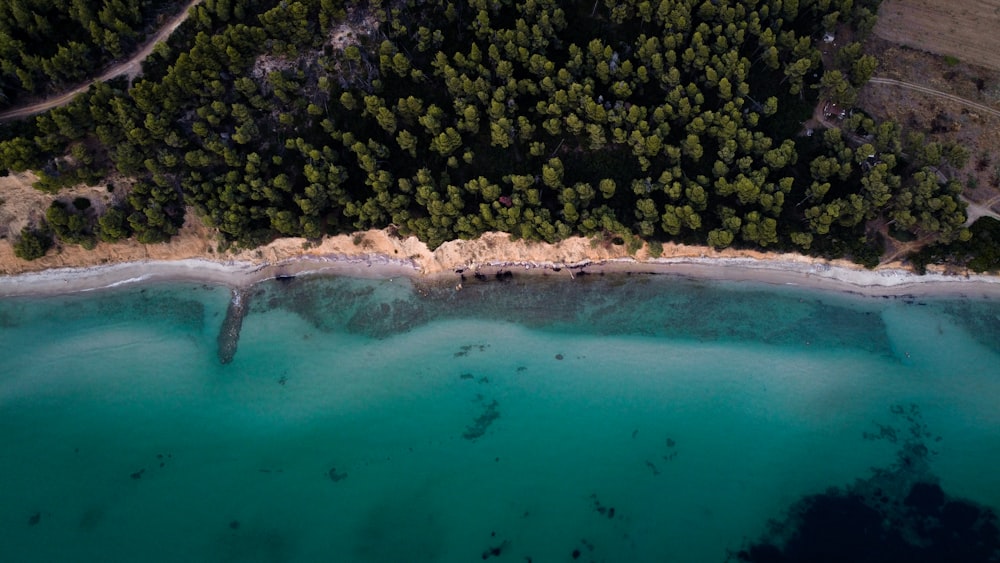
(618, 418)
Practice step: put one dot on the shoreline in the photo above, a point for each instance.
(243, 271)
(193, 255)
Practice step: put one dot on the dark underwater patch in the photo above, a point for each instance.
(482, 422)
(656, 306)
(980, 319)
(899, 514)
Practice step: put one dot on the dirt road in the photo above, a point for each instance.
(938, 93)
(130, 68)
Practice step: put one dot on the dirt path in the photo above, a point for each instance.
(938, 93)
(976, 210)
(900, 250)
(130, 68)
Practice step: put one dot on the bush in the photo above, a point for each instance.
(113, 226)
(868, 255)
(655, 249)
(69, 224)
(32, 244)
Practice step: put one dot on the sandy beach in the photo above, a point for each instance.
(194, 255)
(377, 254)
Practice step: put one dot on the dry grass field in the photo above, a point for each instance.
(952, 46)
(968, 30)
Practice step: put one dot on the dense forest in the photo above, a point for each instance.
(49, 44)
(623, 120)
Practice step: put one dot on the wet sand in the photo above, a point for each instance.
(791, 270)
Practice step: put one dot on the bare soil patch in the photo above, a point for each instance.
(964, 29)
(22, 205)
(360, 25)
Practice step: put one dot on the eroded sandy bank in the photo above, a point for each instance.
(377, 254)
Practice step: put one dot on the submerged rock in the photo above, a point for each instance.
(34, 519)
(229, 332)
(495, 551)
(482, 422)
(336, 477)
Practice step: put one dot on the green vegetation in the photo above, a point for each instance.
(32, 244)
(624, 120)
(69, 224)
(48, 44)
(980, 253)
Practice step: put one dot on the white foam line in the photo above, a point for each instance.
(118, 283)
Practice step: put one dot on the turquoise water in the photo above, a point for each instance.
(610, 418)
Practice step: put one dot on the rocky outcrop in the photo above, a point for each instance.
(229, 332)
